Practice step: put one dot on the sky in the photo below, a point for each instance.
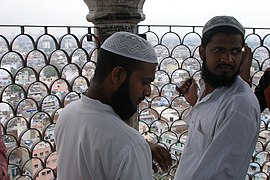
(157, 12)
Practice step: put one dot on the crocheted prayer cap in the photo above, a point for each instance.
(130, 45)
(223, 21)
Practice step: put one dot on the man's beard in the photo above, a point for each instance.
(121, 102)
(217, 80)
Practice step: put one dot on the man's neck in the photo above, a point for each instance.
(208, 89)
(98, 92)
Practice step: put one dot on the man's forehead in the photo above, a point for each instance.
(224, 39)
(147, 69)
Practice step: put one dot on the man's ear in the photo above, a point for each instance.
(118, 75)
(202, 52)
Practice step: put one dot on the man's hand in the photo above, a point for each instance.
(161, 156)
(246, 64)
(189, 89)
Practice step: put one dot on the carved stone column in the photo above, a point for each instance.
(110, 16)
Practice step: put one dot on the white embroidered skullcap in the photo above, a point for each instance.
(223, 21)
(130, 45)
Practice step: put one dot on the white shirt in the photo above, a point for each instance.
(93, 143)
(222, 134)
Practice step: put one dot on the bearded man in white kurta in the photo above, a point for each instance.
(225, 118)
(92, 137)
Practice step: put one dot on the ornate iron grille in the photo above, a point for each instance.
(43, 68)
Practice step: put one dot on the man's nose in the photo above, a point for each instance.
(147, 90)
(226, 57)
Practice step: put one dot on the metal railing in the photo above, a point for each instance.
(43, 68)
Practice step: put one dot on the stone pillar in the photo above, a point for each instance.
(110, 16)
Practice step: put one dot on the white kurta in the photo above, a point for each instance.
(93, 143)
(222, 134)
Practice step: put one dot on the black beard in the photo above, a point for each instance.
(217, 80)
(121, 102)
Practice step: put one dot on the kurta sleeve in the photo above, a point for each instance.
(136, 163)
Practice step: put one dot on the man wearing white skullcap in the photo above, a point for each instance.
(92, 138)
(224, 117)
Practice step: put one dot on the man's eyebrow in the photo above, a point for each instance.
(151, 79)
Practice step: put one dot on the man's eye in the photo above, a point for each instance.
(236, 51)
(216, 50)
(146, 82)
